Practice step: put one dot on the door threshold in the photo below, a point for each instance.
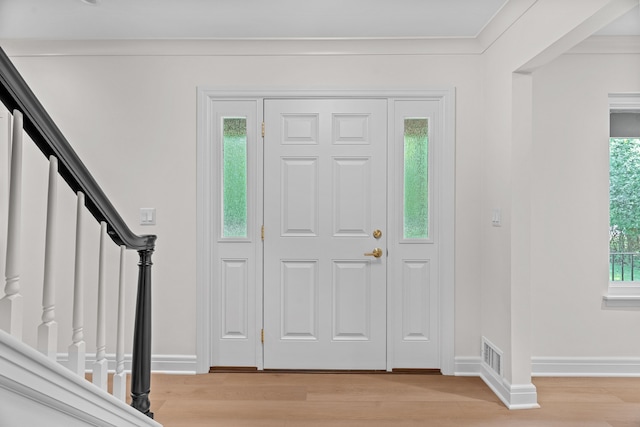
(252, 369)
(232, 369)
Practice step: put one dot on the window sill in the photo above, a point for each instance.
(622, 295)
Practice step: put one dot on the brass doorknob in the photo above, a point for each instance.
(377, 252)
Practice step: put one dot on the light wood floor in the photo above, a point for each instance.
(375, 400)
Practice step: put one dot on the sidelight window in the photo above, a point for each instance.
(416, 178)
(234, 177)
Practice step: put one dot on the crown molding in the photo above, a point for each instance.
(243, 47)
(509, 14)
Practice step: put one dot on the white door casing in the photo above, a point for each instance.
(437, 332)
(325, 193)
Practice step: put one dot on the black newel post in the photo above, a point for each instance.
(141, 358)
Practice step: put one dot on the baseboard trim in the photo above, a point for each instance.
(161, 364)
(467, 366)
(464, 365)
(585, 366)
(563, 366)
(514, 396)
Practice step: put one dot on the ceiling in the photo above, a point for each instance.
(626, 25)
(250, 19)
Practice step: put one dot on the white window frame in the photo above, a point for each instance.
(623, 293)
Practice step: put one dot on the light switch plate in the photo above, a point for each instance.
(147, 216)
(496, 217)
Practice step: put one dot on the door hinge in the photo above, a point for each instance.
(262, 336)
(262, 233)
(263, 129)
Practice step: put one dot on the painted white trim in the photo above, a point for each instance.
(204, 236)
(621, 296)
(259, 249)
(39, 382)
(204, 203)
(624, 101)
(563, 366)
(585, 366)
(391, 220)
(522, 396)
(514, 396)
(244, 47)
(467, 366)
(518, 396)
(447, 235)
(603, 16)
(504, 18)
(621, 301)
(607, 45)
(183, 364)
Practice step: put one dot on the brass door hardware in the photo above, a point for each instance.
(377, 252)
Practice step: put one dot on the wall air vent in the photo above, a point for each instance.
(491, 356)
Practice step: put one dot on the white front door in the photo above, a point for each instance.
(324, 177)
(325, 193)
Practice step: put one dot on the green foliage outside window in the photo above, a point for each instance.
(234, 154)
(416, 179)
(624, 208)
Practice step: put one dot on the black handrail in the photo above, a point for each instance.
(16, 95)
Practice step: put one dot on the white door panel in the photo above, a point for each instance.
(325, 192)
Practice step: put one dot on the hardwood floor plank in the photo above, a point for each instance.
(376, 400)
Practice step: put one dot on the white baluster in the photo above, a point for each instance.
(48, 329)
(77, 355)
(11, 303)
(120, 377)
(100, 365)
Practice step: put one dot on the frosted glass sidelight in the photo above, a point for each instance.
(234, 177)
(416, 179)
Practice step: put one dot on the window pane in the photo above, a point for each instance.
(624, 209)
(416, 179)
(234, 199)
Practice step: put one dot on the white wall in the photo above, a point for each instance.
(571, 211)
(544, 32)
(132, 121)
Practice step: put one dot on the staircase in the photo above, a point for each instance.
(34, 388)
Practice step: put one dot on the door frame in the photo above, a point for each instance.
(206, 214)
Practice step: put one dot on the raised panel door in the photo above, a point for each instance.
(325, 193)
